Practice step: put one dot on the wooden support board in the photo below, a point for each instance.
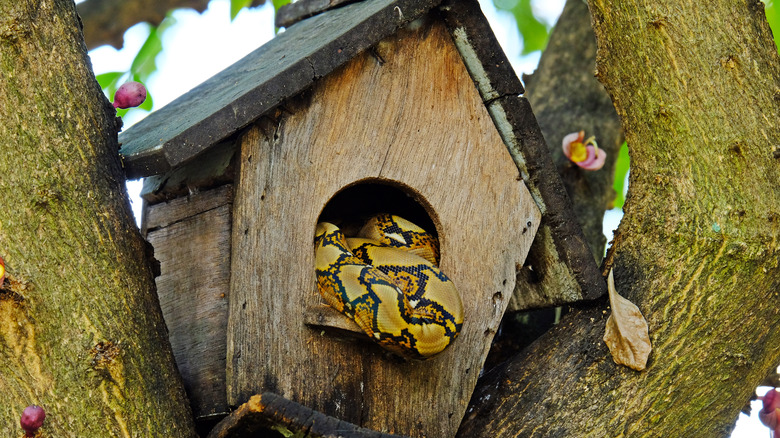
(560, 269)
(407, 113)
(268, 414)
(191, 237)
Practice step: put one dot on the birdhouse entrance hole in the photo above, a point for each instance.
(349, 208)
(352, 205)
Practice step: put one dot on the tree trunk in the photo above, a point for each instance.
(696, 85)
(81, 333)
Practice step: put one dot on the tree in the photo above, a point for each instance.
(696, 250)
(695, 85)
(81, 332)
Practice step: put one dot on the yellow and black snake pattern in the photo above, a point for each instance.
(388, 282)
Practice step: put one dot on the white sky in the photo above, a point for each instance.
(201, 45)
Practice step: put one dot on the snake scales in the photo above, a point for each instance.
(388, 281)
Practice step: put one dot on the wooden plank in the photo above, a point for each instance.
(184, 207)
(560, 269)
(248, 89)
(269, 414)
(292, 13)
(482, 54)
(191, 239)
(208, 170)
(408, 114)
(323, 317)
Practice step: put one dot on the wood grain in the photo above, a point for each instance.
(191, 237)
(560, 269)
(407, 115)
(268, 414)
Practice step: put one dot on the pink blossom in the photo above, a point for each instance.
(771, 411)
(584, 153)
(129, 95)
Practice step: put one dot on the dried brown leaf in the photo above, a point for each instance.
(626, 335)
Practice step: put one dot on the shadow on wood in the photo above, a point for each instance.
(271, 415)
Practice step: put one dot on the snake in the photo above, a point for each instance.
(387, 280)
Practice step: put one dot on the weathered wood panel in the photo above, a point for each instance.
(560, 269)
(268, 414)
(191, 239)
(406, 114)
(210, 169)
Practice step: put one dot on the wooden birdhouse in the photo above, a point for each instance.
(403, 107)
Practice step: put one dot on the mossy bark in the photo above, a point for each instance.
(696, 85)
(81, 333)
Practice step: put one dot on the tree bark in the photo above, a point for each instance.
(81, 332)
(566, 97)
(696, 85)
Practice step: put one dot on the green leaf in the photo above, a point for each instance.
(278, 4)
(144, 63)
(236, 6)
(110, 81)
(621, 169)
(534, 33)
(773, 16)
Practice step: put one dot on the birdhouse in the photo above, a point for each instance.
(402, 107)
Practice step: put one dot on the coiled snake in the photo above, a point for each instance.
(388, 282)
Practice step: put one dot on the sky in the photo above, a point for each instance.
(200, 45)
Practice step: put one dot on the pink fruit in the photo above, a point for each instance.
(32, 419)
(130, 94)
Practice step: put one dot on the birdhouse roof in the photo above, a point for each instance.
(286, 65)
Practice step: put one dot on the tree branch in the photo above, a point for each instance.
(105, 21)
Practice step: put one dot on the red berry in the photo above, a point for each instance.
(130, 94)
(32, 419)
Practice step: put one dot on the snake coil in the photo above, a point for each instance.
(388, 281)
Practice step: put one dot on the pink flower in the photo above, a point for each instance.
(771, 411)
(130, 94)
(584, 153)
